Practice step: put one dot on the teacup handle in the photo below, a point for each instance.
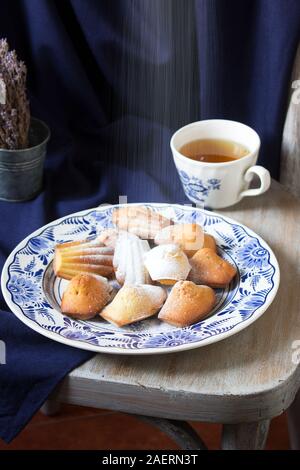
(265, 180)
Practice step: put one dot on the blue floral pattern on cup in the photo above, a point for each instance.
(30, 276)
(197, 189)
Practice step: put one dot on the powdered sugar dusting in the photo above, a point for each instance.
(167, 262)
(128, 259)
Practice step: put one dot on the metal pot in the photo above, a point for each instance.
(21, 171)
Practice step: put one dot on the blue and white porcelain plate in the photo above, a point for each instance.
(33, 292)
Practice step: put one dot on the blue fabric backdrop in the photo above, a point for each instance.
(114, 79)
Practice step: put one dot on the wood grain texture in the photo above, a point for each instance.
(247, 377)
(290, 152)
(247, 436)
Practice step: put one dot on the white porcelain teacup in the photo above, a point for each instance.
(218, 185)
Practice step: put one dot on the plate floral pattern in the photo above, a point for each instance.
(33, 292)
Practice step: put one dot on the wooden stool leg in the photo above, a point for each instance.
(245, 436)
(294, 423)
(50, 407)
(179, 431)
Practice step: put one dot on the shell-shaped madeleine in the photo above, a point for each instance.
(85, 256)
(189, 237)
(109, 237)
(134, 303)
(210, 269)
(140, 220)
(167, 264)
(187, 304)
(128, 259)
(85, 296)
(209, 242)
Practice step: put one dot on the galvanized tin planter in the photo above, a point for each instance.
(21, 171)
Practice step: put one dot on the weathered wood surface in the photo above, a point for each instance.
(290, 153)
(247, 436)
(248, 377)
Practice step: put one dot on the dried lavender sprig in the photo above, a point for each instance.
(14, 106)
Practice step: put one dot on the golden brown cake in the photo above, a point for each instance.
(85, 296)
(140, 220)
(167, 264)
(128, 259)
(85, 256)
(209, 242)
(189, 237)
(134, 303)
(210, 269)
(187, 304)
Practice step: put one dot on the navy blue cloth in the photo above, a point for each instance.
(34, 366)
(114, 79)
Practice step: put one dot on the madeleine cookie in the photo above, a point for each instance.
(187, 304)
(209, 242)
(109, 237)
(85, 296)
(210, 269)
(134, 303)
(128, 259)
(167, 264)
(140, 220)
(189, 237)
(84, 256)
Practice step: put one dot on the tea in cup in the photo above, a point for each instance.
(216, 161)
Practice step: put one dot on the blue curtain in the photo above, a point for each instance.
(114, 79)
